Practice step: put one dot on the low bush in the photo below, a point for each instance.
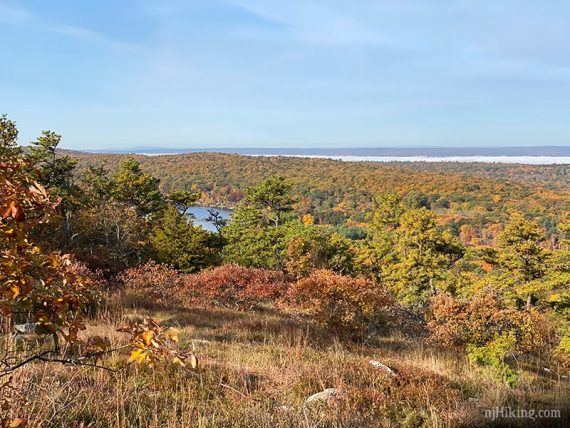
(341, 303)
(227, 285)
(231, 285)
(456, 322)
(154, 282)
(494, 355)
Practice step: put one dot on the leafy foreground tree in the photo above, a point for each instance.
(50, 293)
(42, 286)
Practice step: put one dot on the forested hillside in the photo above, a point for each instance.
(473, 198)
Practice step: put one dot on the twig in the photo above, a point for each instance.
(74, 363)
(66, 361)
(233, 389)
(23, 363)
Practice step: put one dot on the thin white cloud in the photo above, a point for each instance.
(312, 23)
(95, 38)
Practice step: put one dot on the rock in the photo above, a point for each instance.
(379, 365)
(475, 401)
(322, 396)
(22, 330)
(27, 328)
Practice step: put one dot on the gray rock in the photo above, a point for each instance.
(379, 365)
(322, 396)
(27, 328)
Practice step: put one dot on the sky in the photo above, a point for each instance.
(290, 73)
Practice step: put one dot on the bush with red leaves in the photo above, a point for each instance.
(341, 303)
(237, 286)
(157, 282)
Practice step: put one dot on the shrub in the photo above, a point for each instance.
(341, 303)
(154, 281)
(494, 355)
(455, 322)
(227, 285)
(237, 286)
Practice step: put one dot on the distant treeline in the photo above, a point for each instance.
(472, 198)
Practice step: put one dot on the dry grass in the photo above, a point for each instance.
(257, 369)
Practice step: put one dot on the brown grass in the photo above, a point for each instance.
(257, 369)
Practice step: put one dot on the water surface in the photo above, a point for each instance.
(201, 213)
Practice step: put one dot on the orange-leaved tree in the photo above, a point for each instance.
(49, 292)
(37, 287)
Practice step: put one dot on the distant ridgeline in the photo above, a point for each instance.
(471, 197)
(436, 152)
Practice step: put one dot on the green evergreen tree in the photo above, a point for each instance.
(521, 255)
(520, 249)
(273, 198)
(423, 254)
(176, 241)
(255, 234)
(98, 184)
(57, 174)
(249, 241)
(8, 137)
(137, 189)
(183, 200)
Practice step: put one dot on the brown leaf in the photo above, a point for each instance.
(15, 211)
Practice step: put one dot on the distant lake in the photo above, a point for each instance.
(201, 213)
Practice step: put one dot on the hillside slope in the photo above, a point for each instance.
(259, 368)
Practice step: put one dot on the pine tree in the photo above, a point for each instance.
(57, 174)
(8, 137)
(423, 255)
(137, 189)
(177, 242)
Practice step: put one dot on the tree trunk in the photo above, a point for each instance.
(432, 287)
(528, 302)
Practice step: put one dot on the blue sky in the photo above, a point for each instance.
(295, 73)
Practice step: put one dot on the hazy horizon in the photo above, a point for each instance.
(312, 73)
(308, 147)
(536, 155)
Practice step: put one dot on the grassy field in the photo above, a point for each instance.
(258, 369)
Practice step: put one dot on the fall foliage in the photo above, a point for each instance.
(471, 262)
